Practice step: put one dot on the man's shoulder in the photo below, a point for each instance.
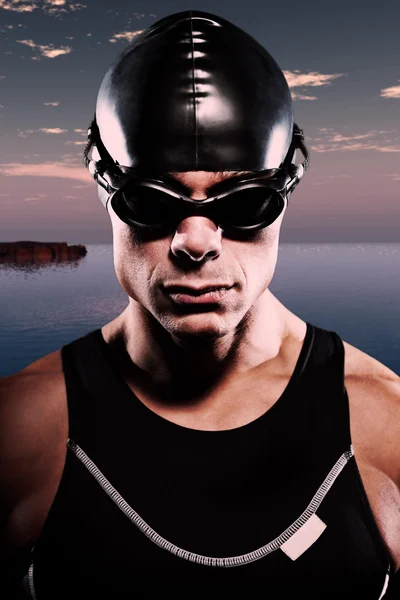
(360, 365)
(371, 385)
(35, 393)
(47, 364)
(33, 434)
(36, 375)
(374, 401)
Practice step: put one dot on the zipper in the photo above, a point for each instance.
(231, 561)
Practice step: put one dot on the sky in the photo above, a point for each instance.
(341, 60)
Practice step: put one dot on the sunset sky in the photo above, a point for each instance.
(342, 62)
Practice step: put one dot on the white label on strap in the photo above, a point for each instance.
(304, 537)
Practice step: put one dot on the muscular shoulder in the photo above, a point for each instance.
(32, 402)
(361, 365)
(33, 429)
(36, 389)
(374, 399)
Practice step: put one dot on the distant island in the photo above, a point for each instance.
(38, 252)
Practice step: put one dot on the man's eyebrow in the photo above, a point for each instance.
(231, 173)
(216, 174)
(169, 178)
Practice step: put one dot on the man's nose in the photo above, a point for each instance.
(197, 238)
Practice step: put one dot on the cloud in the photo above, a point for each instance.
(2, 76)
(391, 92)
(33, 198)
(25, 132)
(73, 197)
(55, 169)
(312, 79)
(48, 130)
(337, 137)
(72, 159)
(296, 96)
(71, 143)
(135, 15)
(296, 79)
(48, 51)
(58, 7)
(355, 147)
(19, 5)
(51, 103)
(394, 176)
(126, 36)
(336, 142)
(51, 7)
(54, 130)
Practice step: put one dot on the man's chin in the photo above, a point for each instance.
(197, 326)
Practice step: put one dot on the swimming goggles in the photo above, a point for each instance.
(238, 204)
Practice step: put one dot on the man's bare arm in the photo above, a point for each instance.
(33, 431)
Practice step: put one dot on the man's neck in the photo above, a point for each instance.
(189, 367)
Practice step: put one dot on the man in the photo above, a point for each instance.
(207, 440)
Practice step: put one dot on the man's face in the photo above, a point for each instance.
(196, 255)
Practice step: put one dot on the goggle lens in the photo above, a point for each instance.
(246, 208)
(147, 206)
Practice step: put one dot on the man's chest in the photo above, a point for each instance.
(384, 499)
(370, 443)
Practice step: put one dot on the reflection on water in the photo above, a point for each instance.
(28, 254)
(35, 267)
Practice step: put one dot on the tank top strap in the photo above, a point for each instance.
(88, 381)
(325, 350)
(323, 390)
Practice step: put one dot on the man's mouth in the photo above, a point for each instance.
(197, 295)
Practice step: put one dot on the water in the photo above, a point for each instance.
(349, 288)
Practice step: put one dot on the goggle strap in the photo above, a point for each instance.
(306, 154)
(104, 170)
(296, 143)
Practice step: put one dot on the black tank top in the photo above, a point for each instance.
(146, 507)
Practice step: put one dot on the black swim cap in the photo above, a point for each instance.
(194, 92)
